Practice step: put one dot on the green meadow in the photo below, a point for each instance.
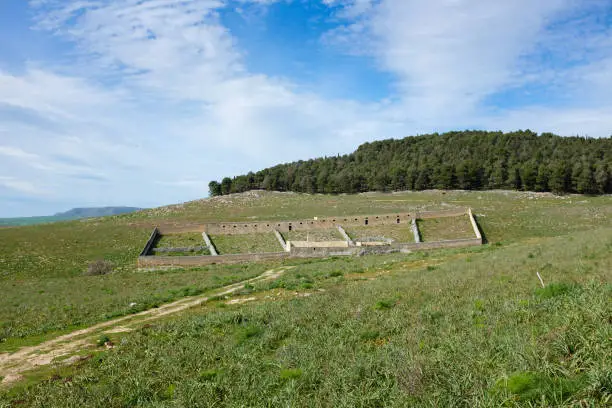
(463, 327)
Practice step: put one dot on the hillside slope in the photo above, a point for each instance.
(471, 160)
(441, 328)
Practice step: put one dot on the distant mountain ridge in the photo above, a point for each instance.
(88, 212)
(73, 214)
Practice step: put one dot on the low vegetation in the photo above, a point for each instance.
(397, 233)
(439, 229)
(331, 234)
(185, 240)
(246, 243)
(100, 267)
(475, 331)
(33, 310)
(453, 327)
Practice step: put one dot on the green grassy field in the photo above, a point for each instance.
(189, 239)
(440, 229)
(398, 233)
(185, 240)
(13, 222)
(468, 327)
(246, 243)
(30, 310)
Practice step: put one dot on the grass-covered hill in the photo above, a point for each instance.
(469, 327)
(73, 214)
(470, 160)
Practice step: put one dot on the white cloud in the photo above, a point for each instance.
(17, 153)
(448, 55)
(158, 99)
(351, 9)
(21, 186)
(54, 96)
(593, 122)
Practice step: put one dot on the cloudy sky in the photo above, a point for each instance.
(143, 102)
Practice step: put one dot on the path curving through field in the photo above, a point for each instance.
(13, 365)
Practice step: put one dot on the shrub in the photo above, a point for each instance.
(248, 289)
(290, 373)
(209, 375)
(102, 340)
(100, 267)
(248, 332)
(385, 304)
(369, 335)
(553, 290)
(528, 386)
(168, 392)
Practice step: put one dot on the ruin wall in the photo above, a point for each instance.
(235, 228)
(149, 245)
(146, 261)
(300, 252)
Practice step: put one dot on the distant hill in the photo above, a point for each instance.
(468, 160)
(73, 214)
(96, 212)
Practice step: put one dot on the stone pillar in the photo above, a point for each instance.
(281, 240)
(415, 231)
(209, 244)
(346, 236)
(474, 225)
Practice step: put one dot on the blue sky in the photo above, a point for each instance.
(143, 102)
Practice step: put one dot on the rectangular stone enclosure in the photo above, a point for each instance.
(234, 242)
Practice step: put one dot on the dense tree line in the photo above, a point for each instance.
(470, 160)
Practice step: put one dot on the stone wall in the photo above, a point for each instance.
(474, 225)
(415, 231)
(452, 243)
(282, 241)
(149, 245)
(304, 249)
(147, 261)
(318, 244)
(232, 228)
(322, 252)
(209, 244)
(301, 252)
(346, 236)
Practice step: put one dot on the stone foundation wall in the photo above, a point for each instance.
(318, 244)
(301, 252)
(322, 252)
(234, 228)
(305, 249)
(474, 225)
(149, 245)
(147, 261)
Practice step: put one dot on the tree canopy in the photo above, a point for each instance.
(470, 160)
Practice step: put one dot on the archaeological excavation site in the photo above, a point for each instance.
(236, 242)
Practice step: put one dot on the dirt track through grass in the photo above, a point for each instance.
(12, 365)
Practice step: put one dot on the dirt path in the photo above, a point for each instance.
(12, 365)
